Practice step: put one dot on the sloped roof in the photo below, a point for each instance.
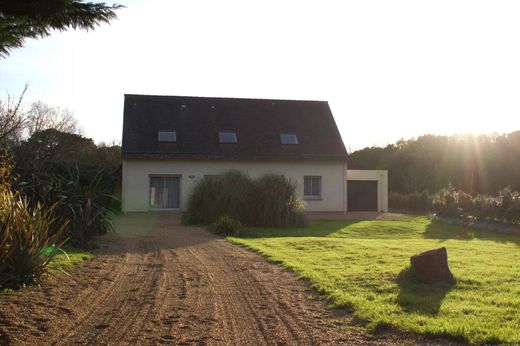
(257, 123)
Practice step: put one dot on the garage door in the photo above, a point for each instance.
(362, 195)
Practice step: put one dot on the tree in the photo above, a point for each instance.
(475, 164)
(42, 117)
(20, 20)
(52, 145)
(13, 121)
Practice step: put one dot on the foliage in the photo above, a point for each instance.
(42, 117)
(275, 202)
(362, 266)
(474, 164)
(449, 202)
(34, 18)
(412, 202)
(81, 196)
(25, 232)
(54, 146)
(446, 202)
(13, 120)
(216, 196)
(70, 171)
(268, 200)
(227, 226)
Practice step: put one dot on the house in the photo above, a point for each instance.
(172, 142)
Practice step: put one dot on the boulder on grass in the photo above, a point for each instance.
(432, 267)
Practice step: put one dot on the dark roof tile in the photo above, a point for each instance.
(257, 123)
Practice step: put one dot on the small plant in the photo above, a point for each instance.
(227, 226)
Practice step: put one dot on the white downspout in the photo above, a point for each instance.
(345, 188)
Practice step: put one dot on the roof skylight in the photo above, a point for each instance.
(227, 137)
(288, 138)
(167, 136)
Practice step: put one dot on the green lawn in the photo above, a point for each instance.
(362, 266)
(73, 257)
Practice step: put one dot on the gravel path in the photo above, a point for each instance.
(176, 285)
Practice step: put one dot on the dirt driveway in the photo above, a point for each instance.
(175, 285)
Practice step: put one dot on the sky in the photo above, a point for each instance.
(389, 69)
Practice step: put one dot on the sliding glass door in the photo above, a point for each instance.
(165, 192)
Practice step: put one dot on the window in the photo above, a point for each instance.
(165, 192)
(288, 138)
(312, 187)
(167, 136)
(227, 137)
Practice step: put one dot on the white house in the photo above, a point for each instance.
(171, 142)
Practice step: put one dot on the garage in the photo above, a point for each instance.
(367, 190)
(362, 195)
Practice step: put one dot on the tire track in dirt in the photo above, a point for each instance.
(178, 285)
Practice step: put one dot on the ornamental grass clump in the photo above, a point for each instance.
(275, 202)
(269, 200)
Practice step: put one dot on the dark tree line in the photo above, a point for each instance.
(475, 164)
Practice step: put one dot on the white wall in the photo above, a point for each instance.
(382, 184)
(136, 178)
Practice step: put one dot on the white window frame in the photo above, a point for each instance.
(313, 197)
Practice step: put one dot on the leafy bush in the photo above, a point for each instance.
(485, 207)
(81, 195)
(509, 202)
(444, 202)
(449, 202)
(227, 226)
(269, 200)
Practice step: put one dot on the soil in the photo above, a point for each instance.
(178, 285)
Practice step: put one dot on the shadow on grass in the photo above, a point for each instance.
(445, 231)
(419, 297)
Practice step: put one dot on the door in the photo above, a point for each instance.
(362, 195)
(165, 192)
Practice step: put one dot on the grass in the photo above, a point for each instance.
(363, 266)
(74, 257)
(134, 224)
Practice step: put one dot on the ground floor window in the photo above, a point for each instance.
(165, 192)
(312, 187)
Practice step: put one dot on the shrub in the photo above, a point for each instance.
(275, 203)
(267, 201)
(216, 196)
(485, 207)
(444, 202)
(25, 234)
(79, 195)
(227, 226)
(414, 202)
(509, 202)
